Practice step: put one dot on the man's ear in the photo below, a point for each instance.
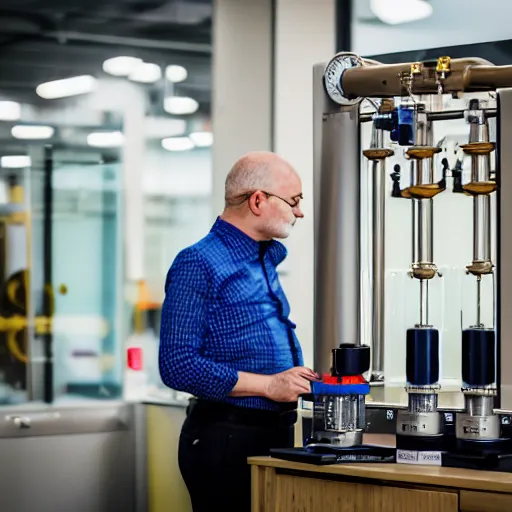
(255, 203)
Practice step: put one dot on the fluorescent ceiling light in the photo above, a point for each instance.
(180, 105)
(10, 111)
(15, 161)
(105, 139)
(121, 66)
(21, 131)
(394, 12)
(162, 127)
(66, 87)
(146, 73)
(201, 139)
(177, 144)
(175, 74)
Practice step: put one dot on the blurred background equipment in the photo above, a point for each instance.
(105, 174)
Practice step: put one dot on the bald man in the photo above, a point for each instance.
(227, 339)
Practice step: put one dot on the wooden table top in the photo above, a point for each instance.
(410, 473)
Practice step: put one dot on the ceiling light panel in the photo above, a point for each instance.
(32, 132)
(176, 74)
(162, 127)
(15, 161)
(394, 12)
(177, 144)
(10, 111)
(66, 87)
(180, 105)
(146, 73)
(121, 66)
(105, 139)
(202, 139)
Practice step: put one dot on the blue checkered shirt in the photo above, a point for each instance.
(224, 312)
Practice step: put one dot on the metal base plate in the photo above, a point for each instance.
(338, 439)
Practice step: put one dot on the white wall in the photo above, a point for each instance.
(453, 22)
(178, 174)
(304, 32)
(242, 85)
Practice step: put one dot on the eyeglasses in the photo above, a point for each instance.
(294, 202)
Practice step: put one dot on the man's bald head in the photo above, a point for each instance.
(262, 193)
(258, 170)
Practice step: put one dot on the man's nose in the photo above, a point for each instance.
(298, 212)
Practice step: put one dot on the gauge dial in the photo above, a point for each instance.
(334, 72)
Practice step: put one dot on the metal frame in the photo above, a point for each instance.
(337, 251)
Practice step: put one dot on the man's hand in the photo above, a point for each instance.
(287, 386)
(280, 387)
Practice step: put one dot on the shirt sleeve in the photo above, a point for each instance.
(183, 331)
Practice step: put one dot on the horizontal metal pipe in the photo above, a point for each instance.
(389, 80)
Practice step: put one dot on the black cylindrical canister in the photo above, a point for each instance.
(350, 360)
(478, 357)
(422, 356)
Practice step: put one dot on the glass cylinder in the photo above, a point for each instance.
(339, 413)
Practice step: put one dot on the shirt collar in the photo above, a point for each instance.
(243, 246)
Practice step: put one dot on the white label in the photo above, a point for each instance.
(430, 458)
(406, 457)
(422, 458)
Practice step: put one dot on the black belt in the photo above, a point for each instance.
(219, 412)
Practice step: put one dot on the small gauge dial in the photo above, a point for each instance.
(333, 73)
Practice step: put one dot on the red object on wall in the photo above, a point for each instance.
(134, 358)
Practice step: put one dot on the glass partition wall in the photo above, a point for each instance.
(60, 266)
(76, 205)
(105, 175)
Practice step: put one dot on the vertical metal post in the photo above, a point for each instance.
(337, 227)
(48, 299)
(378, 265)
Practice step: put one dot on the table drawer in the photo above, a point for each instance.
(473, 501)
(294, 494)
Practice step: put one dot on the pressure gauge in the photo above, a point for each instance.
(333, 74)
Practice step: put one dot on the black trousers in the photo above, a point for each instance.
(215, 442)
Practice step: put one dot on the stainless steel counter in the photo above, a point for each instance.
(85, 458)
